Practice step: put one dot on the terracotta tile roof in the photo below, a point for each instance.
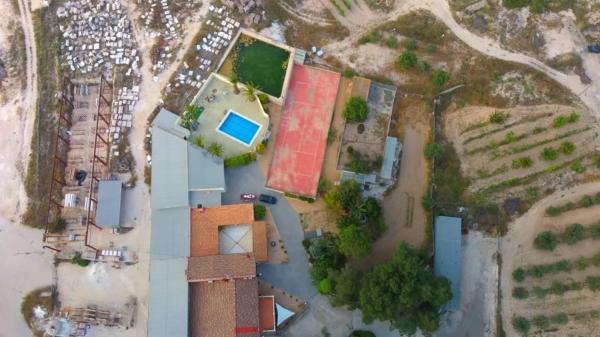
(221, 267)
(212, 311)
(225, 309)
(246, 308)
(205, 223)
(266, 313)
(259, 236)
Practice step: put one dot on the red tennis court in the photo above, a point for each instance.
(300, 144)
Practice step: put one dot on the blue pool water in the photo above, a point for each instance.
(239, 128)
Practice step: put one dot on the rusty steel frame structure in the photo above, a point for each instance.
(65, 109)
(59, 165)
(104, 105)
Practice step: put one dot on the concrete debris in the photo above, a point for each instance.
(96, 35)
(122, 110)
(222, 30)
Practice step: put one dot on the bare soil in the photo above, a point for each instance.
(518, 251)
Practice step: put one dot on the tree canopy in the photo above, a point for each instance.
(356, 109)
(405, 292)
(355, 241)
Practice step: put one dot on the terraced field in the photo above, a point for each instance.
(551, 267)
(524, 152)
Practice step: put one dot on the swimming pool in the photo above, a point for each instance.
(239, 128)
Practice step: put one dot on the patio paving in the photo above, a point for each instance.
(217, 97)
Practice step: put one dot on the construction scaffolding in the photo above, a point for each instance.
(80, 161)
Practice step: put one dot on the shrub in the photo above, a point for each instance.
(325, 286)
(431, 48)
(519, 274)
(597, 198)
(520, 293)
(573, 234)
(539, 292)
(594, 231)
(560, 318)
(558, 288)
(567, 147)
(596, 160)
(356, 109)
(498, 117)
(533, 193)
(549, 154)
(553, 211)
(240, 160)
(410, 44)
(581, 263)
(261, 147)
(546, 241)
(523, 162)
(593, 282)
(424, 66)
(259, 212)
(586, 201)
(198, 141)
(521, 324)
(434, 150)
(440, 77)
(391, 42)
(371, 37)
(541, 322)
(78, 260)
(577, 167)
(563, 120)
(215, 149)
(362, 333)
(408, 59)
(58, 225)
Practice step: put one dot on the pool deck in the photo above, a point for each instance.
(216, 110)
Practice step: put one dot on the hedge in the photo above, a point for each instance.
(241, 160)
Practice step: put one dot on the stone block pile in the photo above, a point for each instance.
(122, 110)
(96, 35)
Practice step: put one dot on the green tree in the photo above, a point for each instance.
(498, 117)
(356, 109)
(345, 196)
(408, 59)
(347, 287)
(549, 154)
(250, 91)
(574, 233)
(215, 149)
(410, 44)
(546, 240)
(325, 286)
(355, 241)
(440, 77)
(404, 291)
(567, 147)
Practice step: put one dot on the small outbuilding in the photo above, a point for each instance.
(108, 213)
(447, 258)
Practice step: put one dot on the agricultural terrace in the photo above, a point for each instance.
(551, 267)
(258, 63)
(523, 152)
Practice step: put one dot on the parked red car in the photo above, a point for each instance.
(248, 197)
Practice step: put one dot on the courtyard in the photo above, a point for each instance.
(229, 118)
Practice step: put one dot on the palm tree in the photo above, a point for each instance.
(215, 149)
(250, 91)
(234, 81)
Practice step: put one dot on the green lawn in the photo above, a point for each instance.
(262, 64)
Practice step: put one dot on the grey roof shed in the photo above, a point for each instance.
(108, 211)
(447, 259)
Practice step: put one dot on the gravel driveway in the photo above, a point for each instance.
(293, 276)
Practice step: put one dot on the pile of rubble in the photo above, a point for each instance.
(222, 29)
(96, 36)
(122, 111)
(251, 9)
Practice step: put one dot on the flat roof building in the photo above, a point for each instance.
(108, 212)
(447, 258)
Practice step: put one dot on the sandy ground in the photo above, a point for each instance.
(28, 266)
(516, 246)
